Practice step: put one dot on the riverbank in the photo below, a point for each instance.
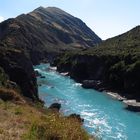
(22, 119)
(131, 104)
(115, 95)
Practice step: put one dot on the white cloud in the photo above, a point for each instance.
(1, 18)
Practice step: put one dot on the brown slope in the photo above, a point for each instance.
(46, 30)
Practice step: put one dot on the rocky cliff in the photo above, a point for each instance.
(114, 64)
(19, 69)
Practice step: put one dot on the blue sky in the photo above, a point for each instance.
(107, 18)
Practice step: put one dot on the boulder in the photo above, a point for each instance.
(133, 108)
(20, 71)
(132, 105)
(78, 117)
(37, 73)
(42, 77)
(91, 84)
(11, 84)
(55, 106)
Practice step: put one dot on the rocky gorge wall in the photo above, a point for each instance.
(20, 70)
(102, 72)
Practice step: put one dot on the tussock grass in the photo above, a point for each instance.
(30, 122)
(55, 127)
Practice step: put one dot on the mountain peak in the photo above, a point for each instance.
(51, 10)
(39, 8)
(60, 22)
(50, 29)
(56, 10)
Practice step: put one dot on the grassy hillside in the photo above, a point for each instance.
(125, 44)
(30, 122)
(22, 119)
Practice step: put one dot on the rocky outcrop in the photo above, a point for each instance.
(55, 107)
(78, 117)
(37, 73)
(132, 105)
(20, 70)
(91, 84)
(82, 67)
(133, 108)
(89, 70)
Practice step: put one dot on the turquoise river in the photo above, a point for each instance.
(104, 117)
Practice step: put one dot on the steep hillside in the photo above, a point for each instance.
(114, 64)
(24, 120)
(127, 43)
(45, 32)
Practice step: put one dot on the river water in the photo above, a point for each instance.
(104, 117)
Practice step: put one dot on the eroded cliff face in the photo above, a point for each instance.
(114, 64)
(104, 72)
(20, 70)
(82, 67)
